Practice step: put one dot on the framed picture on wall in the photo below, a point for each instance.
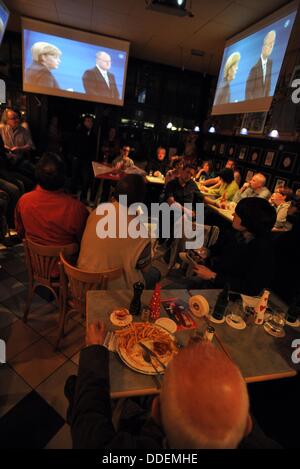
(254, 155)
(249, 173)
(296, 186)
(231, 150)
(222, 149)
(254, 122)
(213, 148)
(287, 162)
(269, 158)
(279, 182)
(242, 153)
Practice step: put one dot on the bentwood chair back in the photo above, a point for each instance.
(43, 270)
(75, 284)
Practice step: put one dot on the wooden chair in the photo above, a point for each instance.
(43, 269)
(75, 284)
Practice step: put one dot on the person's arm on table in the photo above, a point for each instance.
(91, 425)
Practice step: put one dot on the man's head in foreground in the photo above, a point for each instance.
(203, 401)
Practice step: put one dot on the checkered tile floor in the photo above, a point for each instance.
(32, 402)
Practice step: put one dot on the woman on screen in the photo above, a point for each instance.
(45, 57)
(231, 66)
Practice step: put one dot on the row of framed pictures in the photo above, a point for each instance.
(283, 161)
(272, 181)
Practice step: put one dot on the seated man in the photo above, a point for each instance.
(254, 188)
(132, 254)
(203, 403)
(246, 264)
(183, 189)
(123, 161)
(281, 201)
(18, 144)
(47, 215)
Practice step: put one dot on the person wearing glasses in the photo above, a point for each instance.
(99, 81)
(45, 57)
(123, 161)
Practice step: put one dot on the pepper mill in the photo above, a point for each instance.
(136, 304)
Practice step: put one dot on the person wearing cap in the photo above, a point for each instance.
(223, 95)
(45, 57)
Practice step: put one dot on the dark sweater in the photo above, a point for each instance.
(91, 419)
(247, 267)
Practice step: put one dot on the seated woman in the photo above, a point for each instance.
(246, 264)
(226, 190)
(281, 201)
(206, 171)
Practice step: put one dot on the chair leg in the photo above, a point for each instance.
(28, 302)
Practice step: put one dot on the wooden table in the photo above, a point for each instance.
(259, 356)
(224, 213)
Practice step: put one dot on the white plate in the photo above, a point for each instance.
(120, 322)
(167, 324)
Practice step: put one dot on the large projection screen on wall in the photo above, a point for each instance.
(4, 15)
(65, 62)
(251, 64)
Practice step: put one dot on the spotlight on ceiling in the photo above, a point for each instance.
(197, 129)
(169, 125)
(170, 7)
(244, 131)
(212, 130)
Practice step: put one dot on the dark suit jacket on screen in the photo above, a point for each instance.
(255, 86)
(95, 84)
(38, 74)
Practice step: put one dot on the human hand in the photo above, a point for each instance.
(203, 252)
(14, 148)
(157, 174)
(96, 333)
(204, 272)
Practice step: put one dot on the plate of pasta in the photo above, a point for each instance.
(161, 342)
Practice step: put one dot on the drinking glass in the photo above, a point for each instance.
(275, 324)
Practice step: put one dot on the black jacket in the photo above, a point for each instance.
(248, 268)
(94, 84)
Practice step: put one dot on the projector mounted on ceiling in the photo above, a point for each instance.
(170, 7)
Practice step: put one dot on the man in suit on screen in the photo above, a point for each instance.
(259, 80)
(98, 81)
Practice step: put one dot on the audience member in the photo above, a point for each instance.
(256, 187)
(123, 161)
(215, 182)
(281, 200)
(183, 189)
(205, 172)
(84, 152)
(246, 263)
(214, 416)
(226, 190)
(158, 166)
(174, 172)
(18, 144)
(131, 254)
(47, 215)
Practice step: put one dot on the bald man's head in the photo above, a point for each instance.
(204, 400)
(268, 45)
(103, 60)
(257, 181)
